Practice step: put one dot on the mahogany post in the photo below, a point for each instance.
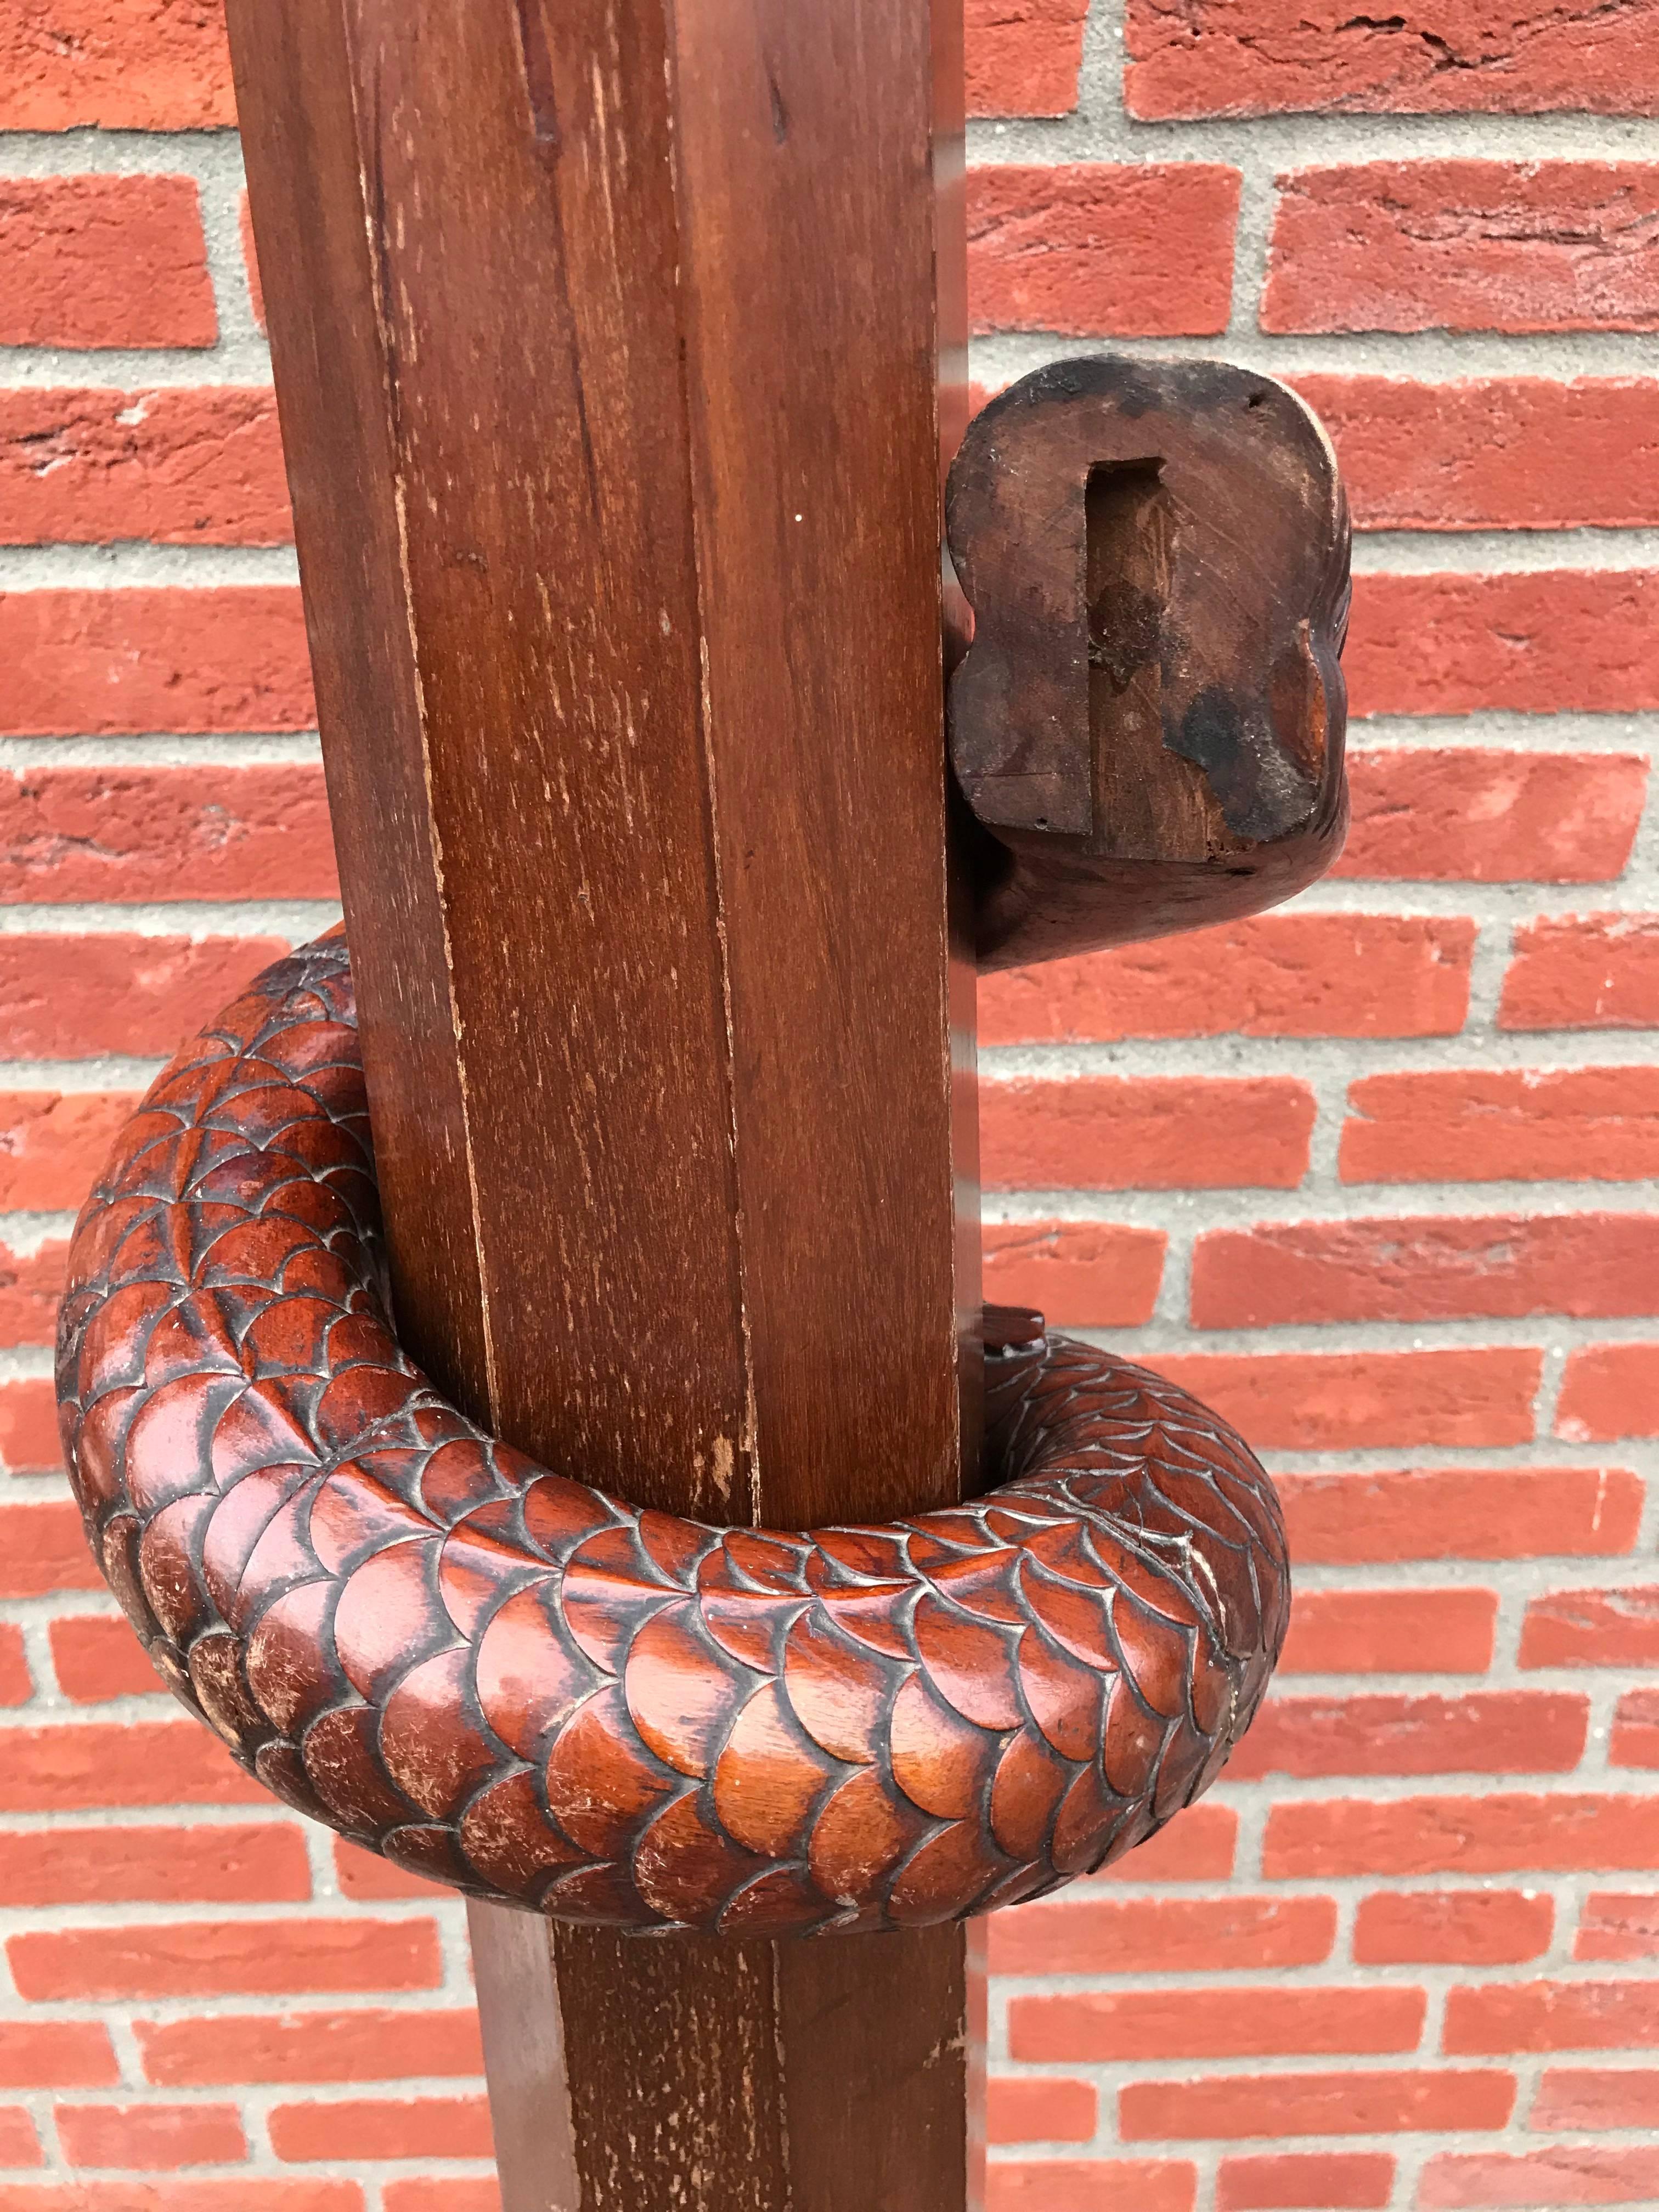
(606, 336)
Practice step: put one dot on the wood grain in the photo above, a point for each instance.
(640, 816)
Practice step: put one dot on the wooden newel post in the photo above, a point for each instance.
(607, 338)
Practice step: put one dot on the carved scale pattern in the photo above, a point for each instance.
(506, 1680)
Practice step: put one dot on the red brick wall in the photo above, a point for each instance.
(1374, 1174)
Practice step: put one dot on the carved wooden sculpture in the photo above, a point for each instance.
(606, 338)
(507, 1679)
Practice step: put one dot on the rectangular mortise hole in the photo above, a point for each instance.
(1127, 565)
(1128, 529)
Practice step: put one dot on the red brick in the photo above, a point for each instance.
(422, 2127)
(28, 1418)
(42, 1549)
(1436, 1268)
(123, 834)
(447, 2196)
(1367, 2104)
(53, 1145)
(1082, 1274)
(16, 1683)
(1611, 1927)
(223, 1863)
(28, 1427)
(1069, 2185)
(1101, 248)
(1592, 1628)
(69, 997)
(19, 2145)
(1039, 2109)
(31, 1284)
(1345, 1400)
(1200, 1844)
(225, 1957)
(56, 2054)
(1452, 1928)
(1523, 452)
(1224, 2022)
(1561, 640)
(367, 2046)
(122, 65)
(1469, 814)
(1193, 57)
(1582, 2098)
(1024, 56)
(1490, 1732)
(1575, 1124)
(103, 261)
(1466, 245)
(1148, 1133)
(1609, 1390)
(366, 1877)
(238, 2194)
(225, 657)
(1391, 1631)
(183, 465)
(68, 1769)
(1584, 971)
(1282, 975)
(1356, 2181)
(1505, 1833)
(1572, 2174)
(1079, 1934)
(1635, 1729)
(96, 1658)
(153, 2138)
(1552, 2016)
(1460, 1513)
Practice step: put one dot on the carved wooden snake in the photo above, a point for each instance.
(506, 1680)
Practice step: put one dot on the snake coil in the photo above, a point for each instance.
(506, 1681)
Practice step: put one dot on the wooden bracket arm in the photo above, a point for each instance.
(1148, 723)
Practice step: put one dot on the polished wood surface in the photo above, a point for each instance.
(521, 492)
(575, 310)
